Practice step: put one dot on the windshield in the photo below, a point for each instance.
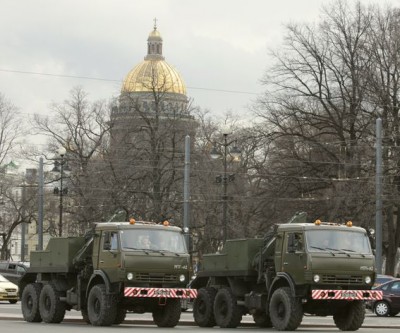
(337, 240)
(161, 240)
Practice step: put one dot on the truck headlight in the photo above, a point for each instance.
(129, 276)
(316, 278)
(367, 279)
(182, 278)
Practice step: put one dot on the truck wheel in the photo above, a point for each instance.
(262, 319)
(30, 303)
(51, 309)
(203, 307)
(169, 314)
(286, 311)
(102, 308)
(226, 311)
(350, 317)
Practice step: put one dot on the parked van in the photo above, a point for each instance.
(13, 270)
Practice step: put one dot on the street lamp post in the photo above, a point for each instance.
(59, 167)
(235, 154)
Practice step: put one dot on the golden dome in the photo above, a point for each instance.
(155, 34)
(154, 73)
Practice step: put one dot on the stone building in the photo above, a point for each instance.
(148, 133)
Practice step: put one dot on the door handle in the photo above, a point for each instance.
(101, 261)
(286, 263)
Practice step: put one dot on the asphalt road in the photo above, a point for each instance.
(12, 313)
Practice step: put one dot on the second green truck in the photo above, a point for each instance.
(322, 269)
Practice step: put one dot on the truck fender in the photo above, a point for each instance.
(26, 279)
(282, 279)
(98, 276)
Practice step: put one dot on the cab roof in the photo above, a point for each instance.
(136, 225)
(322, 226)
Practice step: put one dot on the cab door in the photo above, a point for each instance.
(110, 254)
(294, 258)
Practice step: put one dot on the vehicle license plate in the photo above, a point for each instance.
(163, 293)
(12, 294)
(349, 294)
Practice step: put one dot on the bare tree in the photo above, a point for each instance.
(18, 206)
(82, 128)
(147, 150)
(384, 84)
(11, 125)
(317, 117)
(10, 129)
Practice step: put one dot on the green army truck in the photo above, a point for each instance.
(316, 268)
(119, 267)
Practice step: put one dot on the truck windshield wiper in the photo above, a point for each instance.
(319, 248)
(331, 248)
(347, 250)
(168, 251)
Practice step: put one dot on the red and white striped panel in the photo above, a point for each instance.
(347, 294)
(160, 292)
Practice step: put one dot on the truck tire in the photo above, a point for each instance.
(226, 311)
(285, 310)
(203, 307)
(350, 317)
(102, 308)
(262, 319)
(30, 303)
(169, 314)
(51, 308)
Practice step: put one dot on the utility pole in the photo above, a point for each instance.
(186, 192)
(378, 191)
(40, 208)
(235, 154)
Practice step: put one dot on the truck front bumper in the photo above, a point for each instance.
(364, 295)
(160, 292)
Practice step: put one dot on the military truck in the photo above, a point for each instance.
(316, 268)
(118, 267)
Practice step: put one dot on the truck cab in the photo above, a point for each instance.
(329, 256)
(141, 255)
(118, 267)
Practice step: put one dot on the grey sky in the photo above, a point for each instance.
(214, 44)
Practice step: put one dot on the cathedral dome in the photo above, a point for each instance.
(154, 72)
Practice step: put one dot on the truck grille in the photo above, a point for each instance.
(342, 279)
(146, 277)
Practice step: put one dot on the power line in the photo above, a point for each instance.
(115, 80)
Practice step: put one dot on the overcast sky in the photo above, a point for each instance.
(216, 45)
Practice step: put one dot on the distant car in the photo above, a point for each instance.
(13, 270)
(390, 303)
(8, 290)
(381, 279)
